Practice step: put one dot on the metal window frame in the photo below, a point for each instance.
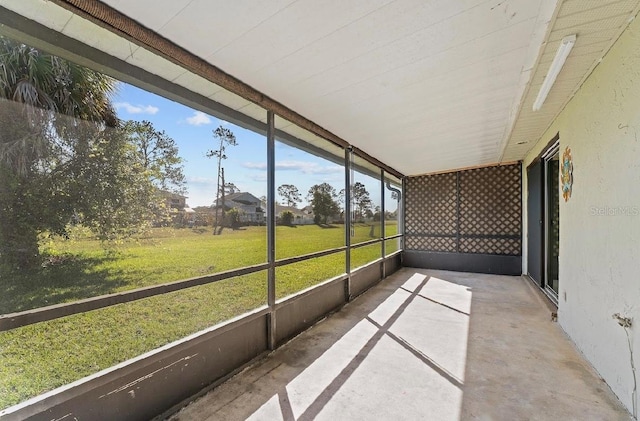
(18, 27)
(547, 158)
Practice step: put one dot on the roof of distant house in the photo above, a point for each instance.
(295, 211)
(240, 197)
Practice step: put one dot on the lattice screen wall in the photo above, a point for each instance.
(471, 211)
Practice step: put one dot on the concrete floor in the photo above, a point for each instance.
(428, 345)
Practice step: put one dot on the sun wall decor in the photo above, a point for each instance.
(566, 174)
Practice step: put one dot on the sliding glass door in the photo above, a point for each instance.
(552, 221)
(543, 220)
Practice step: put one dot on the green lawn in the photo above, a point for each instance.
(40, 357)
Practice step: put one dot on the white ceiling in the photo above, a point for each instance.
(423, 86)
(598, 24)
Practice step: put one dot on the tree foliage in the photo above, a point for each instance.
(226, 138)
(51, 84)
(361, 200)
(64, 159)
(231, 188)
(290, 195)
(286, 218)
(158, 155)
(232, 217)
(323, 202)
(114, 195)
(376, 214)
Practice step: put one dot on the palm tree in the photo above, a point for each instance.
(48, 86)
(44, 102)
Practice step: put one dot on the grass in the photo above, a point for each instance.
(298, 276)
(86, 270)
(42, 356)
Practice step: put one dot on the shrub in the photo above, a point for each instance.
(232, 217)
(286, 218)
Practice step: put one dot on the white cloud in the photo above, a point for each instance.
(255, 165)
(260, 177)
(136, 109)
(201, 181)
(331, 179)
(304, 167)
(198, 119)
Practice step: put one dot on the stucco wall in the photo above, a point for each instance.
(600, 224)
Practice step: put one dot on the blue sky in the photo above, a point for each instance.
(246, 162)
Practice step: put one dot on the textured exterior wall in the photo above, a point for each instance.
(600, 224)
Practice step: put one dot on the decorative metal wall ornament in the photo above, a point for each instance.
(566, 174)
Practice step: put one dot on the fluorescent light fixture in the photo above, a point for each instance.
(556, 65)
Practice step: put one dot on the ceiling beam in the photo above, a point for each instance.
(116, 22)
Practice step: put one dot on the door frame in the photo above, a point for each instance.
(547, 157)
(535, 219)
(547, 152)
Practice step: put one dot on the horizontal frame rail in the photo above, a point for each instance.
(343, 277)
(22, 318)
(487, 236)
(393, 237)
(41, 314)
(367, 243)
(303, 257)
(15, 25)
(95, 392)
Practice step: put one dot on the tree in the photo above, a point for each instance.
(231, 188)
(226, 138)
(63, 157)
(286, 218)
(323, 202)
(376, 214)
(114, 195)
(361, 200)
(158, 154)
(233, 217)
(290, 195)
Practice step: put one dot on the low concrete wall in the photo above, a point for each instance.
(300, 312)
(464, 262)
(162, 380)
(365, 277)
(392, 264)
(142, 388)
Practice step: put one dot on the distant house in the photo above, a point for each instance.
(174, 200)
(180, 213)
(305, 215)
(250, 207)
(338, 218)
(302, 216)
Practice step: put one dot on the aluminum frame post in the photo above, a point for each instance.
(271, 229)
(347, 220)
(382, 221)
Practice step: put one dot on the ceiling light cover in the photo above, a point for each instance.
(556, 65)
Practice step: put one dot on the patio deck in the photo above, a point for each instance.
(423, 344)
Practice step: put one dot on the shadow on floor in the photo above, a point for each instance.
(422, 345)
